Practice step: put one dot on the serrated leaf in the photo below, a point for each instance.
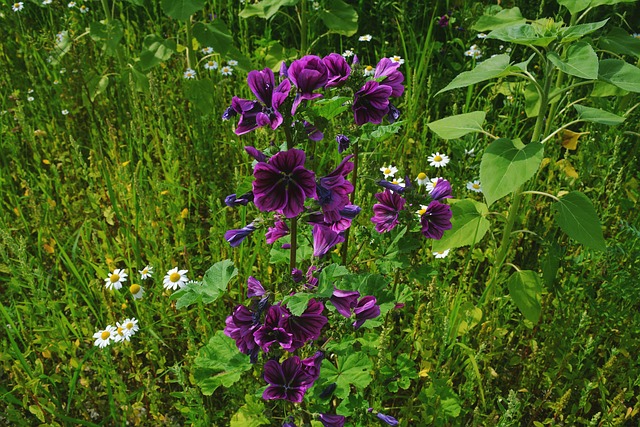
(298, 302)
(328, 276)
(219, 363)
(181, 9)
(339, 17)
(214, 283)
(596, 115)
(524, 34)
(382, 133)
(330, 108)
(354, 369)
(458, 126)
(525, 288)
(468, 225)
(251, 414)
(504, 18)
(266, 8)
(505, 167)
(575, 32)
(581, 61)
(489, 69)
(620, 73)
(577, 217)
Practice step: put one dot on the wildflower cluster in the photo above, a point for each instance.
(123, 331)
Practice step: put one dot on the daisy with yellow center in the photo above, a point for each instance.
(389, 171)
(438, 160)
(146, 272)
(431, 183)
(211, 65)
(207, 50)
(84, 9)
(397, 59)
(226, 70)
(104, 337)
(365, 38)
(136, 290)
(126, 329)
(421, 211)
(175, 279)
(17, 7)
(189, 74)
(474, 186)
(442, 254)
(368, 71)
(115, 279)
(398, 181)
(422, 179)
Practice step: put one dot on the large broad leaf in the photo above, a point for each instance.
(457, 126)
(575, 32)
(155, 50)
(266, 8)
(525, 287)
(521, 34)
(504, 18)
(202, 94)
(251, 414)
(214, 34)
(339, 17)
(331, 107)
(489, 69)
(575, 6)
(108, 32)
(219, 363)
(181, 9)
(96, 84)
(581, 61)
(468, 225)
(506, 165)
(596, 115)
(138, 79)
(619, 41)
(353, 369)
(214, 283)
(577, 217)
(620, 73)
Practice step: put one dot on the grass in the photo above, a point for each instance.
(129, 178)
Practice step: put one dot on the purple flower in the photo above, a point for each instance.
(283, 184)
(297, 275)
(394, 113)
(235, 237)
(394, 78)
(396, 188)
(337, 68)
(332, 420)
(307, 326)
(312, 365)
(344, 301)
(443, 21)
(333, 190)
(385, 213)
(441, 190)
(240, 326)
(324, 238)
(232, 201)
(365, 309)
(435, 220)
(279, 229)
(228, 113)
(312, 281)
(254, 288)
(387, 419)
(288, 381)
(273, 331)
(255, 153)
(284, 70)
(312, 132)
(328, 391)
(289, 423)
(343, 142)
(307, 74)
(248, 111)
(350, 211)
(371, 103)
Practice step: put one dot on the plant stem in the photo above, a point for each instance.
(354, 181)
(190, 57)
(303, 27)
(293, 228)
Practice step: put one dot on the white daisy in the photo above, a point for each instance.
(17, 7)
(365, 38)
(635, 35)
(207, 50)
(474, 186)
(232, 63)
(71, 4)
(136, 290)
(128, 328)
(189, 74)
(397, 59)
(422, 179)
(65, 112)
(211, 65)
(348, 53)
(470, 152)
(45, 2)
(421, 211)
(30, 90)
(474, 51)
(146, 272)
(368, 71)
(84, 9)
(438, 160)
(175, 279)
(115, 279)
(226, 70)
(431, 183)
(389, 171)
(30, 98)
(398, 181)
(104, 337)
(482, 36)
(442, 254)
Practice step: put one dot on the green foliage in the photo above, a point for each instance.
(620, 73)
(525, 288)
(469, 225)
(487, 70)
(596, 115)
(214, 283)
(351, 370)
(181, 9)
(109, 32)
(155, 51)
(581, 61)
(577, 217)
(339, 17)
(251, 414)
(266, 9)
(504, 18)
(458, 126)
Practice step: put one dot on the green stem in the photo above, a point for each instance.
(293, 228)
(107, 12)
(354, 181)
(303, 27)
(190, 54)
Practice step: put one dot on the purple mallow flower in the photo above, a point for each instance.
(240, 326)
(328, 420)
(307, 74)
(333, 190)
(365, 309)
(343, 142)
(324, 239)
(273, 330)
(307, 326)
(394, 113)
(279, 229)
(283, 184)
(233, 201)
(288, 381)
(387, 211)
(338, 69)
(235, 237)
(297, 275)
(344, 301)
(255, 153)
(229, 112)
(435, 220)
(254, 288)
(393, 77)
(312, 131)
(387, 419)
(396, 188)
(371, 103)
(441, 190)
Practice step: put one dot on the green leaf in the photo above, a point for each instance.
(577, 217)
(506, 166)
(621, 74)
(202, 94)
(339, 17)
(504, 18)
(328, 276)
(181, 9)
(581, 61)
(525, 287)
(155, 50)
(214, 34)
(621, 42)
(575, 32)
(596, 115)
(108, 32)
(96, 84)
(330, 108)
(489, 69)
(266, 8)
(139, 80)
(354, 369)
(251, 414)
(524, 34)
(298, 302)
(219, 363)
(458, 126)
(468, 225)
(214, 283)
(575, 6)
(382, 133)
(532, 101)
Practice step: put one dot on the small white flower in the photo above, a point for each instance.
(474, 51)
(29, 90)
(389, 171)
(104, 337)
(365, 38)
(635, 35)
(421, 211)
(348, 53)
(397, 59)
(442, 254)
(207, 50)
(175, 279)
(63, 70)
(189, 74)
(438, 160)
(482, 36)
(115, 279)
(398, 181)
(84, 9)
(368, 71)
(65, 112)
(232, 63)
(17, 7)
(226, 70)
(136, 290)
(30, 98)
(71, 4)
(474, 186)
(470, 152)
(422, 179)
(46, 2)
(508, 50)
(56, 82)
(146, 272)
(431, 184)
(211, 65)
(126, 329)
